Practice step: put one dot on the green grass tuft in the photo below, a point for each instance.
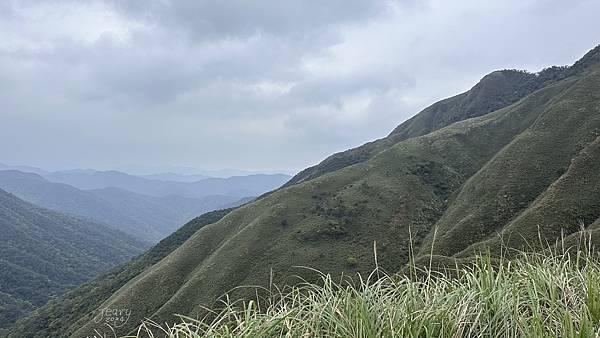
(535, 295)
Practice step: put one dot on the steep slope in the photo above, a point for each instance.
(527, 184)
(496, 90)
(450, 191)
(329, 222)
(44, 253)
(55, 318)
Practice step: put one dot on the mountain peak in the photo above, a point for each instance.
(590, 59)
(20, 174)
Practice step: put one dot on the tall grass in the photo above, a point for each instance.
(534, 295)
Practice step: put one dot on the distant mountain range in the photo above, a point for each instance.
(44, 253)
(24, 168)
(146, 217)
(163, 184)
(243, 184)
(512, 164)
(240, 186)
(161, 173)
(189, 171)
(175, 177)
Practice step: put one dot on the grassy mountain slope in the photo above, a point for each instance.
(494, 91)
(55, 318)
(329, 222)
(44, 253)
(500, 170)
(527, 184)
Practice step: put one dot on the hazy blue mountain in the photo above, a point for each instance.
(224, 173)
(164, 213)
(189, 171)
(174, 177)
(147, 170)
(252, 185)
(44, 253)
(238, 186)
(23, 168)
(103, 179)
(67, 199)
(148, 218)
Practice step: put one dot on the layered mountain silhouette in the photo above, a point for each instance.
(239, 186)
(44, 253)
(514, 163)
(146, 217)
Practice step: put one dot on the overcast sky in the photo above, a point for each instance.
(252, 85)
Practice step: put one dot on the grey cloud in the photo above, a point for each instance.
(329, 90)
(240, 18)
(251, 84)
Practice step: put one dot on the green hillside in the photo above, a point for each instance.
(516, 156)
(44, 253)
(55, 318)
(494, 91)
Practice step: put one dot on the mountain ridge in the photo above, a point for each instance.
(466, 103)
(238, 186)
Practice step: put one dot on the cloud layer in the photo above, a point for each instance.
(251, 84)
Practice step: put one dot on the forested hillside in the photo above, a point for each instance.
(44, 253)
(58, 315)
